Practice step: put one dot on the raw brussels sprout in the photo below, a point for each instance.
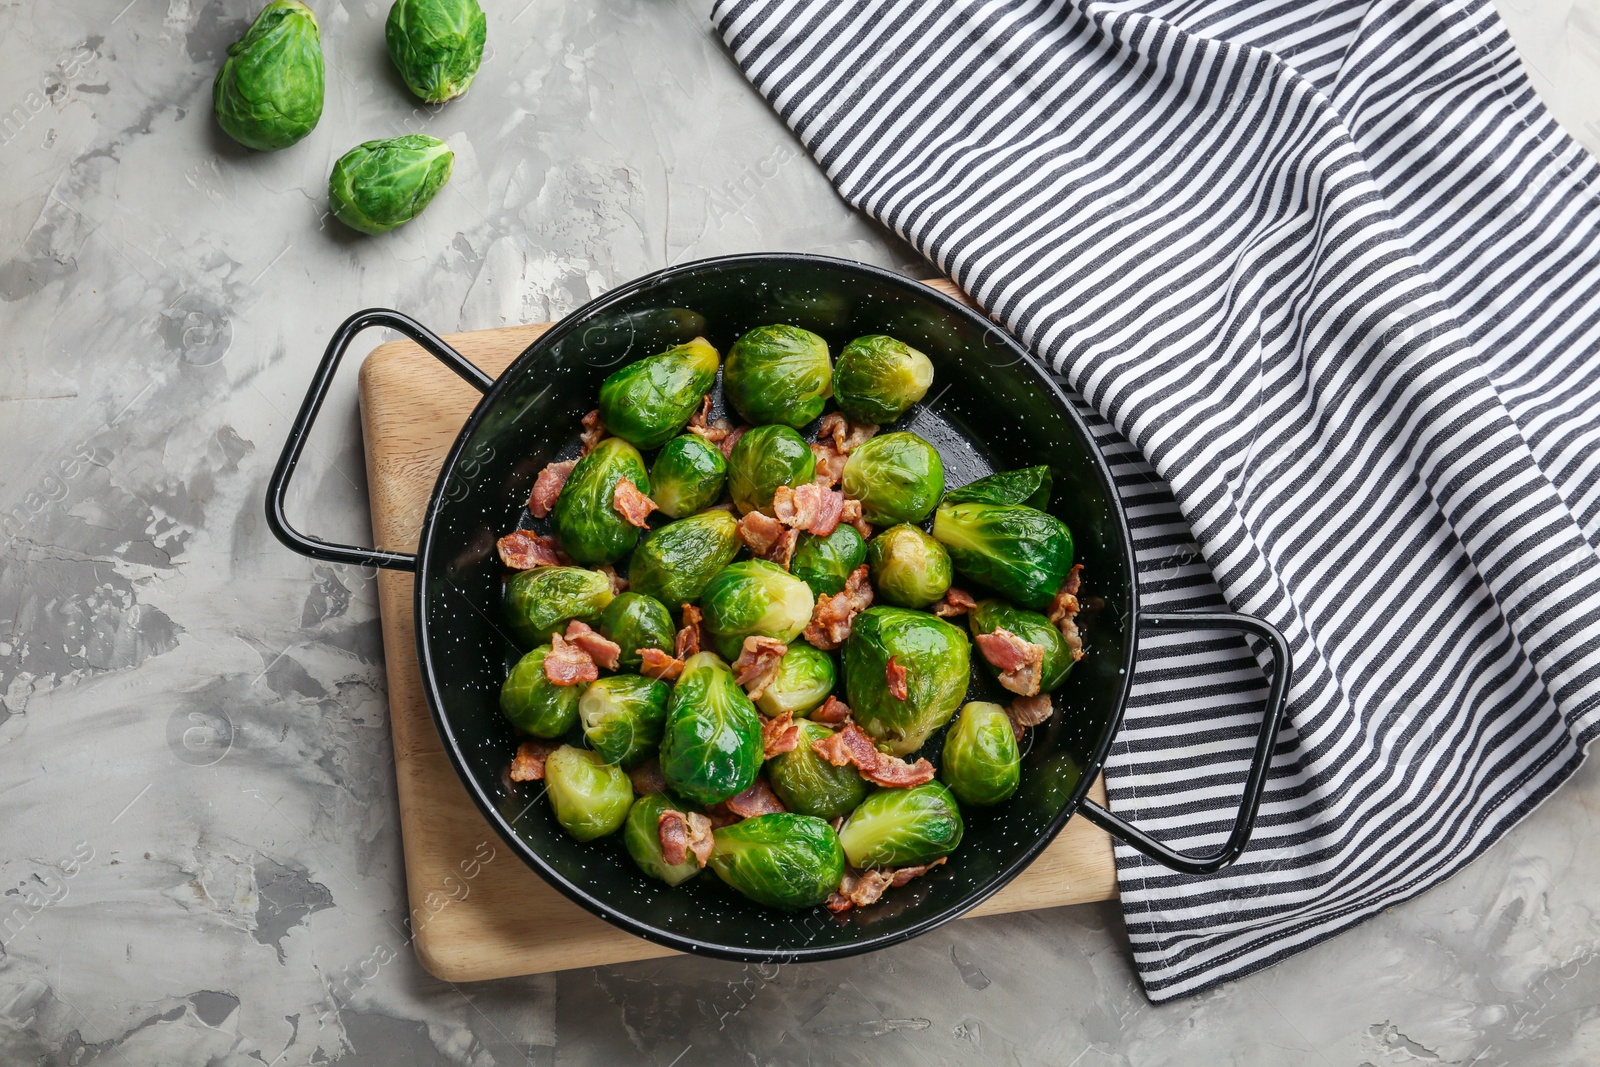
(379, 185)
(981, 764)
(542, 601)
(810, 785)
(898, 477)
(825, 563)
(1021, 553)
(902, 827)
(622, 716)
(878, 378)
(1029, 485)
(909, 568)
(674, 563)
(436, 45)
(636, 621)
(936, 658)
(268, 93)
(688, 474)
(783, 861)
(591, 797)
(533, 703)
(754, 597)
(591, 530)
(642, 836)
(805, 678)
(778, 374)
(763, 459)
(992, 615)
(648, 401)
(711, 746)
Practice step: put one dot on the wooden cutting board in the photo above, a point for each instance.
(477, 911)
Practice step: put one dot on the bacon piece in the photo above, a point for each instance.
(689, 638)
(955, 602)
(594, 431)
(619, 584)
(684, 835)
(1064, 611)
(832, 616)
(1029, 711)
(852, 745)
(1020, 663)
(767, 538)
(895, 675)
(647, 778)
(627, 501)
(832, 712)
(523, 550)
(567, 663)
(597, 646)
(851, 513)
(759, 799)
(548, 486)
(654, 663)
(846, 436)
(902, 875)
(757, 664)
(778, 735)
(829, 464)
(714, 431)
(731, 439)
(528, 764)
(860, 888)
(811, 507)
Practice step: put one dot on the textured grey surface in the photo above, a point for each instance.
(198, 854)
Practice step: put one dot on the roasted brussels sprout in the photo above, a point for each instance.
(825, 563)
(783, 861)
(877, 379)
(778, 374)
(898, 477)
(590, 528)
(981, 764)
(711, 746)
(635, 621)
(763, 459)
(909, 568)
(1020, 552)
(542, 601)
(622, 717)
(268, 93)
(642, 836)
(533, 703)
(936, 659)
(808, 784)
(674, 563)
(379, 185)
(591, 797)
(648, 401)
(688, 474)
(754, 598)
(805, 678)
(436, 45)
(902, 827)
(1027, 485)
(992, 615)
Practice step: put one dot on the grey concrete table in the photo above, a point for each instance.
(198, 850)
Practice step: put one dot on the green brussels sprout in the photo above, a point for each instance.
(542, 601)
(1021, 553)
(379, 185)
(902, 827)
(992, 615)
(436, 45)
(936, 658)
(591, 529)
(898, 477)
(810, 785)
(711, 746)
(622, 717)
(648, 401)
(1028, 485)
(805, 678)
(981, 764)
(763, 459)
(778, 374)
(268, 93)
(642, 837)
(754, 598)
(533, 703)
(909, 568)
(688, 474)
(635, 621)
(784, 861)
(591, 797)
(674, 563)
(878, 378)
(825, 563)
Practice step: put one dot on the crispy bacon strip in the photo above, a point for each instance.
(528, 764)
(955, 602)
(1029, 711)
(833, 712)
(757, 664)
(631, 504)
(689, 638)
(767, 538)
(702, 424)
(619, 584)
(851, 513)
(1020, 663)
(895, 675)
(829, 463)
(832, 616)
(647, 779)
(567, 663)
(548, 486)
(654, 663)
(779, 735)
(860, 888)
(846, 436)
(731, 439)
(1064, 611)
(594, 431)
(683, 835)
(759, 799)
(523, 550)
(852, 745)
(598, 647)
(811, 507)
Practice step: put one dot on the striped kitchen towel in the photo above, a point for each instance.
(1330, 275)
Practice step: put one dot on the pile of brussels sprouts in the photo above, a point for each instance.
(705, 701)
(268, 95)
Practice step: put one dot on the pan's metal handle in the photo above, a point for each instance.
(1260, 763)
(300, 429)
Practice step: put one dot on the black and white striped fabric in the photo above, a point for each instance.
(1334, 272)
